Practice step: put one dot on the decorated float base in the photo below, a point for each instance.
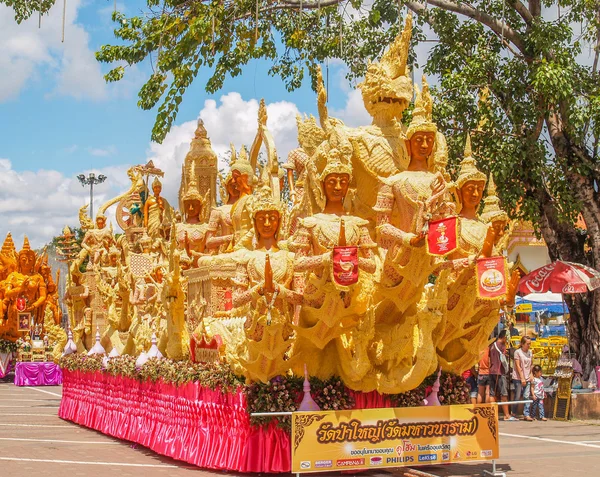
(190, 422)
(37, 374)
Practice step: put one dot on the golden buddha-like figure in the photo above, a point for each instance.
(8, 264)
(158, 214)
(469, 320)
(243, 175)
(191, 232)
(25, 292)
(494, 215)
(96, 243)
(78, 299)
(220, 229)
(265, 281)
(404, 204)
(310, 136)
(335, 322)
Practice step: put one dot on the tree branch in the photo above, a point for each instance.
(535, 7)
(502, 29)
(521, 10)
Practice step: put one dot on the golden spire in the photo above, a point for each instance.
(468, 167)
(26, 245)
(491, 209)
(8, 247)
(422, 114)
(191, 191)
(395, 58)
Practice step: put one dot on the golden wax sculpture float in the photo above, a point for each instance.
(336, 279)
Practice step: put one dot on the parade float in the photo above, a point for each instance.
(380, 270)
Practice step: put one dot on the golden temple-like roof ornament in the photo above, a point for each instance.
(422, 114)
(491, 209)
(468, 167)
(8, 247)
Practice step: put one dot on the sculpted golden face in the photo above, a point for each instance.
(336, 187)
(420, 146)
(26, 262)
(157, 189)
(232, 189)
(499, 228)
(471, 193)
(193, 208)
(267, 223)
(100, 222)
(241, 182)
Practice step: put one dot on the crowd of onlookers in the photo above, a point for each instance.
(489, 381)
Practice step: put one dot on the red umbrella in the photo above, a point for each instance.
(560, 277)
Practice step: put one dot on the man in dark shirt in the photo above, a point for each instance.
(513, 330)
(498, 370)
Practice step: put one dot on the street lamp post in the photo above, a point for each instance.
(91, 180)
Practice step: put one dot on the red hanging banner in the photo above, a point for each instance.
(345, 265)
(441, 237)
(491, 277)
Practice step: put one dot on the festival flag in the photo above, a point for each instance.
(441, 237)
(491, 277)
(345, 265)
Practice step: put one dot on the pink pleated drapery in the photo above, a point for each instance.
(5, 362)
(191, 423)
(37, 374)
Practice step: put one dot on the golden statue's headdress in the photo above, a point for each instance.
(491, 208)
(262, 199)
(113, 251)
(27, 248)
(191, 190)
(145, 239)
(468, 167)
(422, 114)
(156, 182)
(310, 133)
(336, 165)
(242, 164)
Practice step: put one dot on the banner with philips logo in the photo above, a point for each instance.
(393, 437)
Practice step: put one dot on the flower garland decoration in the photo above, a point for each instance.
(8, 346)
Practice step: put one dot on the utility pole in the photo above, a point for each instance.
(91, 180)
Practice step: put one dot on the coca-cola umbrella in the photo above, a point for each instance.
(560, 277)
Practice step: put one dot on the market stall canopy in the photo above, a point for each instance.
(548, 302)
(560, 277)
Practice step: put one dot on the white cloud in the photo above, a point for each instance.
(31, 53)
(102, 152)
(230, 120)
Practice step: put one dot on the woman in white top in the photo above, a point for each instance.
(521, 376)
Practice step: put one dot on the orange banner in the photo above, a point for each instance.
(375, 438)
(491, 277)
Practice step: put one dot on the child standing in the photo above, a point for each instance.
(538, 394)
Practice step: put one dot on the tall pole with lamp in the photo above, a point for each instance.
(91, 180)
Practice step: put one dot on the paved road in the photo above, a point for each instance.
(34, 441)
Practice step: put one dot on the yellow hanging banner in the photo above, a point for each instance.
(524, 308)
(393, 437)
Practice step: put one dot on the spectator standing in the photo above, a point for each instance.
(470, 376)
(538, 394)
(498, 370)
(522, 377)
(512, 329)
(483, 376)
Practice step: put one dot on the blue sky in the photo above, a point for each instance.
(58, 117)
(71, 133)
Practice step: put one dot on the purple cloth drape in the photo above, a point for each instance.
(37, 374)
